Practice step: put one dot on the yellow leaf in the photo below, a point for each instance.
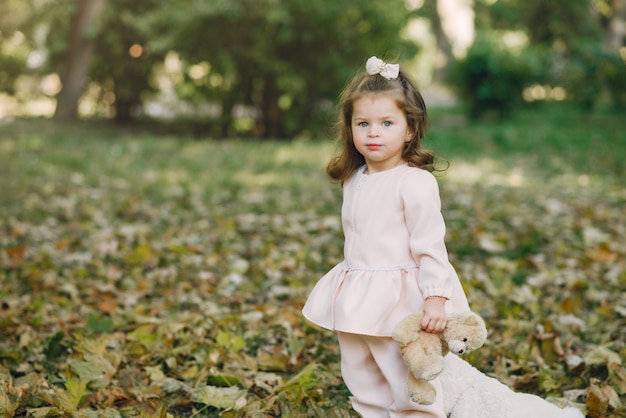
(618, 377)
(43, 412)
(63, 401)
(155, 373)
(189, 373)
(92, 345)
(145, 335)
(230, 341)
(96, 370)
(142, 254)
(76, 389)
(6, 407)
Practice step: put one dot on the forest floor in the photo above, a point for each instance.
(144, 275)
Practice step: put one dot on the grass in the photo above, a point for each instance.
(176, 267)
(547, 141)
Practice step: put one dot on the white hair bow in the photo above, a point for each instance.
(377, 66)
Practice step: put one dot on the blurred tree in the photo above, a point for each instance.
(15, 42)
(281, 63)
(615, 23)
(124, 61)
(120, 64)
(81, 45)
(453, 26)
(430, 11)
(581, 44)
(491, 77)
(285, 59)
(544, 22)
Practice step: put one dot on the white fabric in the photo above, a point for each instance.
(377, 66)
(469, 393)
(373, 369)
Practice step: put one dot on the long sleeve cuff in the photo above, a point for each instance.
(438, 292)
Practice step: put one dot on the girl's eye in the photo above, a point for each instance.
(363, 124)
(386, 123)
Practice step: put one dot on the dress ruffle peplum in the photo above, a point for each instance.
(394, 255)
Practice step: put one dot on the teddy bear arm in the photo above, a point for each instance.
(421, 391)
(424, 357)
(431, 343)
(426, 368)
(407, 330)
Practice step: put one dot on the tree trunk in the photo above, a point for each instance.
(270, 110)
(444, 48)
(617, 26)
(81, 48)
(453, 25)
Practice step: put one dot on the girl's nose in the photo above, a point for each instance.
(373, 132)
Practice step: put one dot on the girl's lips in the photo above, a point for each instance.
(373, 146)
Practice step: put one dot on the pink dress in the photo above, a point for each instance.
(394, 255)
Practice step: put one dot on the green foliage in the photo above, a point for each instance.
(273, 68)
(546, 23)
(613, 72)
(43, 18)
(491, 77)
(286, 68)
(572, 43)
(10, 68)
(592, 76)
(54, 347)
(124, 80)
(128, 77)
(205, 318)
(14, 44)
(289, 63)
(99, 323)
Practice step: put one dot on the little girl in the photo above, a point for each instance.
(395, 259)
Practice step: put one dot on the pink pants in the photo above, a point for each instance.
(374, 371)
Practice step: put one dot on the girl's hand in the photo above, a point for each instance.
(435, 317)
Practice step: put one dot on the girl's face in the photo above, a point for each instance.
(379, 131)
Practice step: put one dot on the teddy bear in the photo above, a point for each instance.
(424, 352)
(469, 393)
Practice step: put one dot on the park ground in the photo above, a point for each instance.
(145, 274)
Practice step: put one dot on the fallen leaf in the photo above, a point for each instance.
(219, 397)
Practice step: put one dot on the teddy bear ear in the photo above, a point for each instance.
(480, 325)
(476, 320)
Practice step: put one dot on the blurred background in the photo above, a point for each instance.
(145, 272)
(274, 68)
